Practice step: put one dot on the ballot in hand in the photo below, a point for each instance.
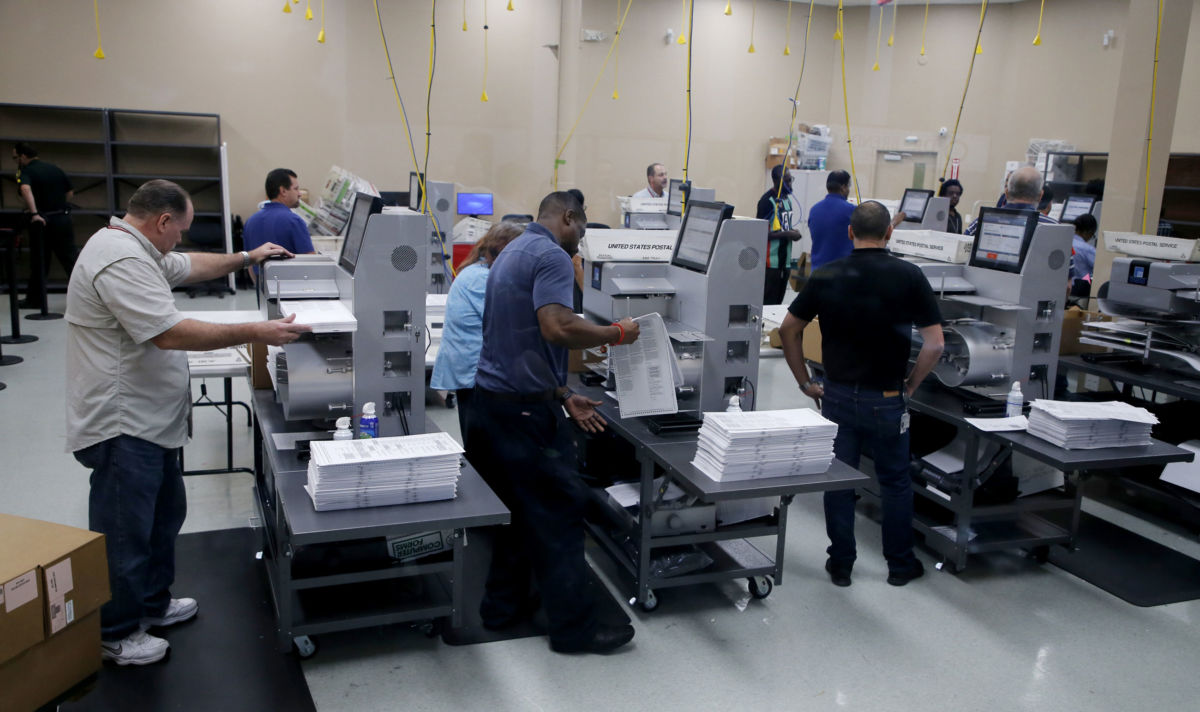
(631, 330)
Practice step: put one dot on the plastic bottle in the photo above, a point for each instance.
(735, 405)
(1015, 403)
(368, 424)
(343, 430)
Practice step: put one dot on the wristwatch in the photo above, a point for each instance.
(566, 395)
(245, 259)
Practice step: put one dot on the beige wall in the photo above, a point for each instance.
(286, 100)
(1187, 127)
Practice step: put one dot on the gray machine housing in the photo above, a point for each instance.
(441, 202)
(714, 319)
(327, 376)
(1000, 326)
(937, 216)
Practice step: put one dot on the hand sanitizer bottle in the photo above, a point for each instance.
(1015, 403)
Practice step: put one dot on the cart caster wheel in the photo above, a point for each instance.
(1040, 554)
(651, 602)
(306, 646)
(760, 586)
(431, 629)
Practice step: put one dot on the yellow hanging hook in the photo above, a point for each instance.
(728, 7)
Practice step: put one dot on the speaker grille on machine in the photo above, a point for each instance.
(404, 258)
(748, 258)
(1057, 259)
(443, 205)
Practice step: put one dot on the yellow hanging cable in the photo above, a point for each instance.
(447, 263)
(484, 96)
(1037, 39)
(1153, 102)
(841, 32)
(617, 56)
(895, 9)
(961, 104)
(728, 7)
(683, 25)
(753, 15)
(878, 40)
(787, 152)
(924, 26)
(687, 116)
(287, 6)
(308, 10)
(99, 53)
(979, 39)
(464, 16)
(321, 34)
(787, 33)
(558, 156)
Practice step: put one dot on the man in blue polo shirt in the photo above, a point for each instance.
(276, 222)
(523, 448)
(829, 221)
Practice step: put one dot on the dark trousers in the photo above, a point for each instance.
(138, 503)
(525, 454)
(869, 422)
(57, 238)
(775, 286)
(463, 397)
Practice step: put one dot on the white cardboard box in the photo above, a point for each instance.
(1152, 246)
(933, 245)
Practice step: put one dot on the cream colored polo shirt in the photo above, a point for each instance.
(118, 382)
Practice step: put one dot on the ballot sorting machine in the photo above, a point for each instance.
(707, 283)
(377, 355)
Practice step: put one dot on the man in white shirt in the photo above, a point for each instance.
(128, 399)
(656, 182)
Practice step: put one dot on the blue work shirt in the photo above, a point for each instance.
(532, 272)
(462, 332)
(277, 223)
(829, 223)
(1083, 261)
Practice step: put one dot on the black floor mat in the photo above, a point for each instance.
(226, 658)
(478, 555)
(1130, 567)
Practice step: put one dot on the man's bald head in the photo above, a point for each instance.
(870, 221)
(1024, 186)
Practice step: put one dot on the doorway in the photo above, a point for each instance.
(897, 170)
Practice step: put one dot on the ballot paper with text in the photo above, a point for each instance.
(325, 316)
(646, 371)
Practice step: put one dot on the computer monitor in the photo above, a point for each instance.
(415, 180)
(677, 193)
(913, 204)
(364, 206)
(698, 234)
(1002, 238)
(475, 204)
(1075, 206)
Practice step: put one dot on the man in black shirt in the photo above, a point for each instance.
(778, 208)
(45, 190)
(867, 304)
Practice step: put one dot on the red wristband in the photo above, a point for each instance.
(619, 338)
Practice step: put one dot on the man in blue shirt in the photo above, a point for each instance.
(276, 222)
(829, 221)
(524, 450)
(1083, 254)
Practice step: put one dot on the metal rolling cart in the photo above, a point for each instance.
(1019, 524)
(362, 593)
(733, 555)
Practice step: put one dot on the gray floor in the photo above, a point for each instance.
(1007, 634)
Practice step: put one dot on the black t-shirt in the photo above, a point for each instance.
(49, 184)
(868, 303)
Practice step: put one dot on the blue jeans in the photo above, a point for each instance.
(138, 503)
(869, 422)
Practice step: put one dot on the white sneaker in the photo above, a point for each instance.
(178, 611)
(138, 648)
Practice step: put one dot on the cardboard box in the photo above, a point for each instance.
(932, 245)
(49, 669)
(1152, 246)
(812, 341)
(1072, 327)
(259, 378)
(41, 659)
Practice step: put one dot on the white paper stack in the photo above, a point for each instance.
(325, 316)
(764, 443)
(1085, 426)
(352, 474)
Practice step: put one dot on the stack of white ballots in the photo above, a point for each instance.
(325, 316)
(765, 443)
(375, 472)
(1085, 426)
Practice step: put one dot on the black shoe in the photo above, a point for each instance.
(524, 613)
(838, 575)
(899, 578)
(606, 639)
